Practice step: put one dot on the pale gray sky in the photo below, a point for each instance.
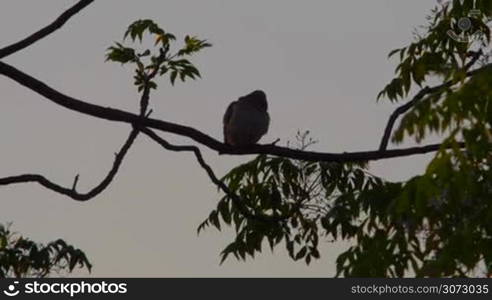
(321, 64)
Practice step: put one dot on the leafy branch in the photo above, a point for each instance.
(160, 61)
(21, 257)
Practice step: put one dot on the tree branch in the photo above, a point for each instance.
(421, 94)
(235, 198)
(57, 24)
(71, 192)
(112, 114)
(401, 110)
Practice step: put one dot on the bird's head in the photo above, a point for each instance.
(257, 99)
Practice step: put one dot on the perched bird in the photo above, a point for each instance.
(246, 120)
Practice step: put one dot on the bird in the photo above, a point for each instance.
(246, 120)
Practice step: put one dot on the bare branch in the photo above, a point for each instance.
(57, 24)
(112, 114)
(75, 181)
(235, 198)
(401, 110)
(71, 192)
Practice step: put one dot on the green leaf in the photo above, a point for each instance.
(173, 76)
(301, 253)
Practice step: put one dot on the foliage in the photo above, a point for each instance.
(434, 52)
(273, 186)
(438, 223)
(163, 60)
(21, 257)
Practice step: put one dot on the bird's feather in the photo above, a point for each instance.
(226, 120)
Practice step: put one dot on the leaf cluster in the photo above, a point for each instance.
(161, 59)
(21, 257)
(435, 53)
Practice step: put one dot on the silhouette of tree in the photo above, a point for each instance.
(21, 257)
(435, 224)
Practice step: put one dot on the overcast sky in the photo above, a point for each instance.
(321, 64)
